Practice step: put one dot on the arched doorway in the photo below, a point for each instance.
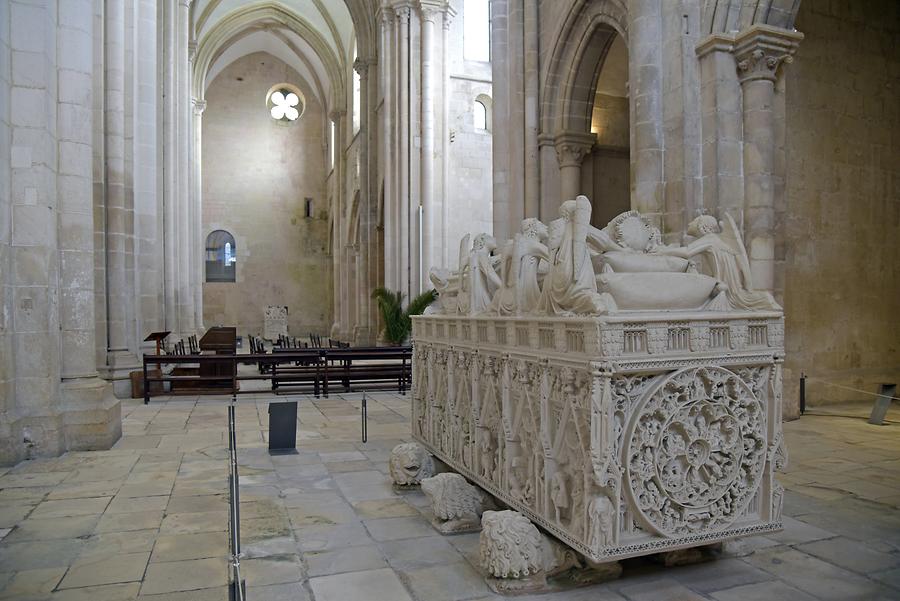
(605, 170)
(586, 114)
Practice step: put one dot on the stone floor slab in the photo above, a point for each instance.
(816, 577)
(70, 507)
(108, 592)
(420, 552)
(274, 569)
(30, 584)
(350, 559)
(763, 591)
(178, 576)
(447, 582)
(113, 569)
(386, 529)
(371, 585)
(664, 589)
(851, 555)
(200, 545)
(54, 528)
(279, 592)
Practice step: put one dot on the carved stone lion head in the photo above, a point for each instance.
(410, 464)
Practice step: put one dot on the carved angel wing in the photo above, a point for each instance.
(464, 247)
(731, 235)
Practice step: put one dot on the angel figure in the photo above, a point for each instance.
(521, 292)
(570, 286)
(479, 279)
(720, 249)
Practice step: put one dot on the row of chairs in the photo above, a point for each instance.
(315, 341)
(178, 347)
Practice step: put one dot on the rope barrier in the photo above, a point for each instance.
(875, 394)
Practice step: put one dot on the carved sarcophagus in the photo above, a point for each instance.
(622, 434)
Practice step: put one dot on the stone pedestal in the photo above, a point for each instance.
(621, 435)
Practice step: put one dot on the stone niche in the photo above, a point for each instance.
(622, 432)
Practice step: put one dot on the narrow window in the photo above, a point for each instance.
(356, 98)
(308, 208)
(477, 30)
(331, 143)
(480, 116)
(220, 257)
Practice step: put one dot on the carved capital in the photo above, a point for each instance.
(761, 50)
(361, 66)
(337, 114)
(572, 147)
(448, 17)
(402, 13)
(199, 106)
(433, 10)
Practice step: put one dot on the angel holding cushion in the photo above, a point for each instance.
(720, 250)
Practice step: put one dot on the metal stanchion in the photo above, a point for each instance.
(802, 393)
(365, 427)
(237, 588)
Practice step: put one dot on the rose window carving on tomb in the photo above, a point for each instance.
(695, 451)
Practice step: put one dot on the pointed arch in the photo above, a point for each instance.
(589, 28)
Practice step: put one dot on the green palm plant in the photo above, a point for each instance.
(397, 324)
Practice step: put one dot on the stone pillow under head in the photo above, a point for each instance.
(623, 261)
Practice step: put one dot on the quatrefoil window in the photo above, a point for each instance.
(285, 102)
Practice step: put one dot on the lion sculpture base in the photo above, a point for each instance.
(457, 505)
(410, 464)
(519, 559)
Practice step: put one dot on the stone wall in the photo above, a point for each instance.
(257, 174)
(841, 219)
(469, 205)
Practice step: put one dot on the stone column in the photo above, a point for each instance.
(720, 117)
(571, 148)
(186, 232)
(91, 414)
(645, 100)
(532, 110)
(169, 191)
(337, 248)
(121, 345)
(361, 334)
(408, 246)
(500, 143)
(445, 139)
(432, 211)
(198, 271)
(341, 264)
(385, 72)
(759, 51)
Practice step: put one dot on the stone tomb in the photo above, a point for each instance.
(619, 431)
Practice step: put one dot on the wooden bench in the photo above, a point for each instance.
(380, 365)
(307, 369)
